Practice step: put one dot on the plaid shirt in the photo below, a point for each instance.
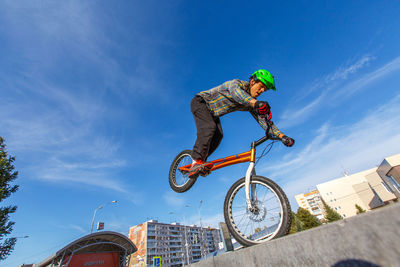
(232, 96)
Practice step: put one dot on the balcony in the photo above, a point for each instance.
(176, 250)
(175, 234)
(151, 245)
(175, 246)
(175, 257)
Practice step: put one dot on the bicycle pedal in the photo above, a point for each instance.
(205, 172)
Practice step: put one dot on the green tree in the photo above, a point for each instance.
(330, 214)
(359, 209)
(7, 175)
(308, 220)
(296, 225)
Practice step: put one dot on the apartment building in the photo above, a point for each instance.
(312, 202)
(174, 244)
(368, 189)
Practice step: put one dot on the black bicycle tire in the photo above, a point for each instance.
(287, 214)
(172, 172)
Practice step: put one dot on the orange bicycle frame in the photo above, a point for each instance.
(228, 161)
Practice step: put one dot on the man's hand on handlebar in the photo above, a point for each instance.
(262, 108)
(287, 141)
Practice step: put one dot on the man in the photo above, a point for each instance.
(234, 95)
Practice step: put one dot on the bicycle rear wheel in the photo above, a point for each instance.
(178, 180)
(270, 219)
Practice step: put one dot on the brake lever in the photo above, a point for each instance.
(268, 135)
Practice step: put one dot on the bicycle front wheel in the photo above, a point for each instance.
(270, 217)
(178, 180)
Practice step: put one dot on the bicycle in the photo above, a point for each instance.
(254, 199)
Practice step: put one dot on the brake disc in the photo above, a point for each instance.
(258, 213)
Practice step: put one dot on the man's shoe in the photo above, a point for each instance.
(198, 166)
(206, 170)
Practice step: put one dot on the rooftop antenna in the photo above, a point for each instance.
(345, 173)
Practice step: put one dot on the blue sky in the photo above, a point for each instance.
(95, 103)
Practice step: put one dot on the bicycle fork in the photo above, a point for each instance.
(250, 189)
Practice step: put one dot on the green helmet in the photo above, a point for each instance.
(265, 77)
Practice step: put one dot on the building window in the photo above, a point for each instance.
(394, 182)
(386, 187)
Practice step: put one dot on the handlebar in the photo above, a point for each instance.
(264, 138)
(259, 141)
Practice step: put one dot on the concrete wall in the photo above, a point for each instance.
(371, 238)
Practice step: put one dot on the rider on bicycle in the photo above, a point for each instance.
(208, 106)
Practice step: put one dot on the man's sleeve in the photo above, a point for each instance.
(238, 94)
(273, 130)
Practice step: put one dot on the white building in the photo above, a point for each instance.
(368, 189)
(174, 244)
(312, 202)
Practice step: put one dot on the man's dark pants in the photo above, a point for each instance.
(209, 130)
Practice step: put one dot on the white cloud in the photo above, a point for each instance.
(79, 228)
(174, 199)
(59, 128)
(54, 127)
(296, 115)
(368, 79)
(213, 220)
(118, 224)
(59, 147)
(292, 117)
(356, 147)
(342, 73)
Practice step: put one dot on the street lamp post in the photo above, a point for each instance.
(95, 211)
(201, 231)
(201, 202)
(186, 238)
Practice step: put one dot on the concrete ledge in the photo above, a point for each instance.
(368, 239)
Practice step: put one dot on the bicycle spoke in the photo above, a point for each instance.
(243, 207)
(265, 221)
(274, 208)
(245, 229)
(272, 197)
(241, 220)
(236, 215)
(181, 178)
